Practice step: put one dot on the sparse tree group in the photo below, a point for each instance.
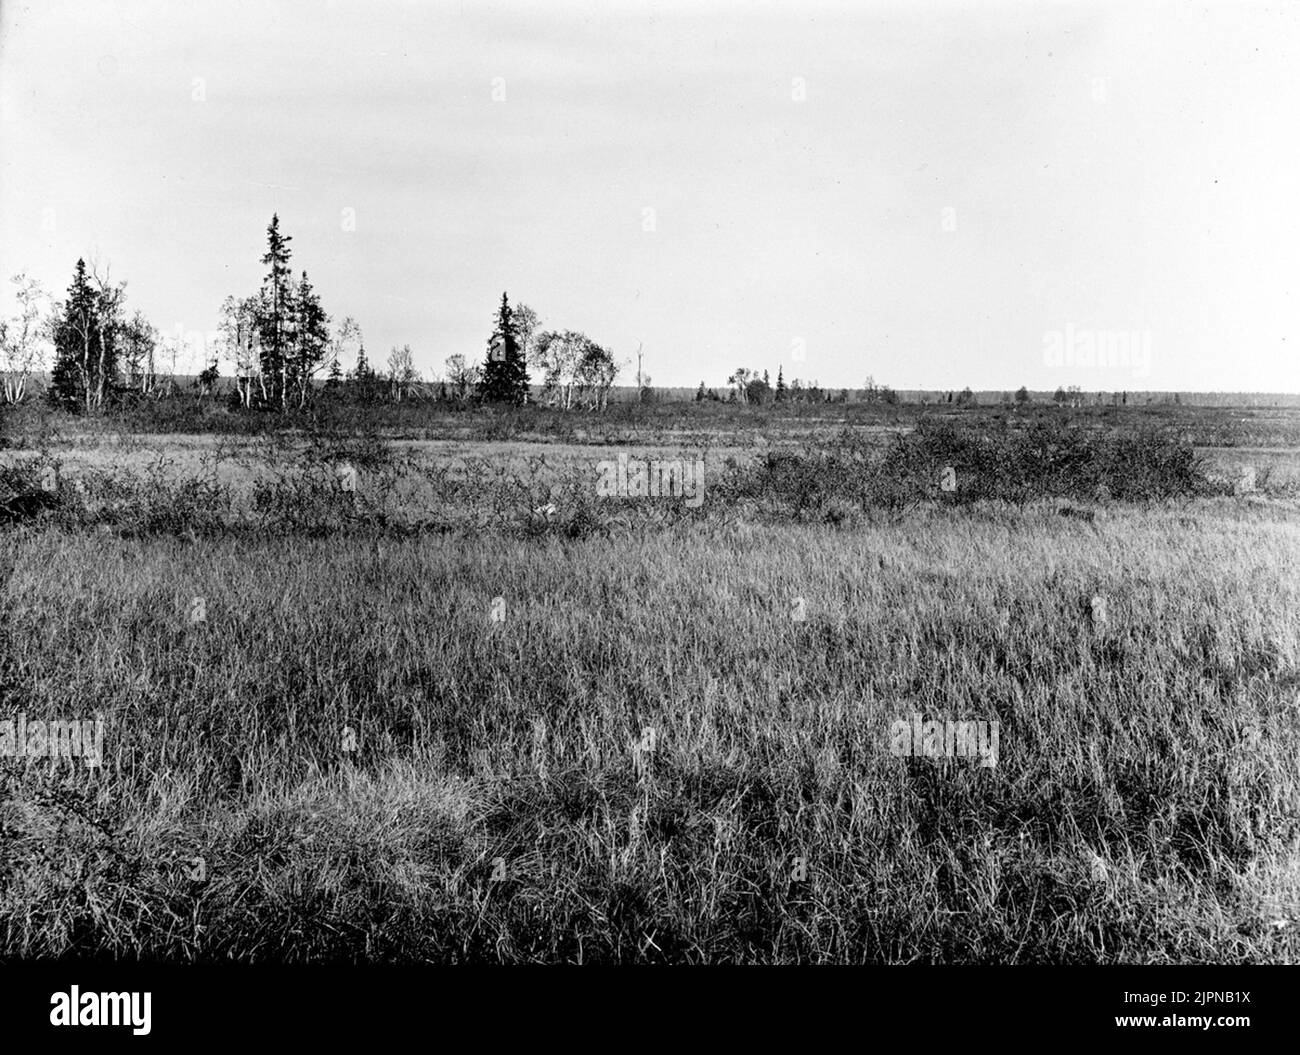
(283, 352)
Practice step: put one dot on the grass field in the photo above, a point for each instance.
(424, 719)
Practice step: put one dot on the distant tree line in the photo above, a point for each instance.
(285, 352)
(750, 388)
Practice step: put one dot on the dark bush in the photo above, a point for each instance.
(997, 461)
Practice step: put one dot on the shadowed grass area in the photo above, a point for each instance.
(348, 758)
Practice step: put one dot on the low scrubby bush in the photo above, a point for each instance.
(995, 461)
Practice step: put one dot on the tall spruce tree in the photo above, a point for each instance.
(276, 315)
(364, 381)
(85, 343)
(311, 338)
(505, 373)
(363, 371)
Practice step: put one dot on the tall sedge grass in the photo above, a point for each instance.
(349, 759)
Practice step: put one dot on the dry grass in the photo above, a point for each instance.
(348, 759)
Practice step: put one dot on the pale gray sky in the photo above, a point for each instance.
(923, 192)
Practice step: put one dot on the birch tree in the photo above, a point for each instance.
(239, 338)
(23, 337)
(559, 356)
(402, 375)
(462, 375)
(596, 374)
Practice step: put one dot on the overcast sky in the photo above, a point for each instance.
(938, 195)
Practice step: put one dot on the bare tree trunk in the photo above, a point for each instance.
(99, 379)
(85, 363)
